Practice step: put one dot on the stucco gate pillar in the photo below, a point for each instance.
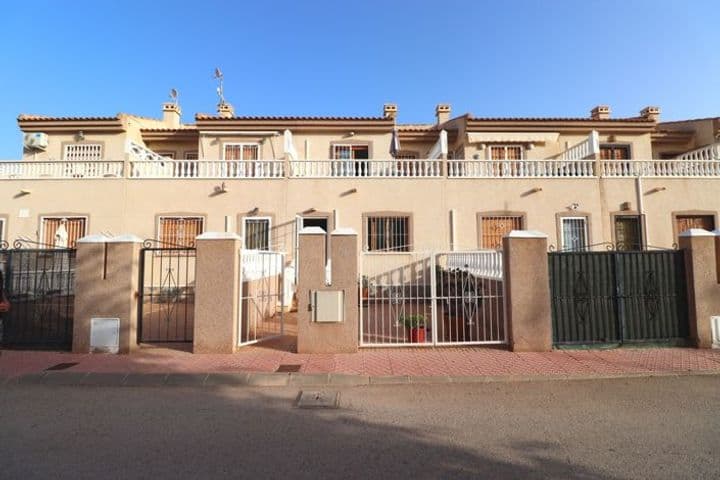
(702, 269)
(527, 291)
(216, 292)
(327, 311)
(106, 289)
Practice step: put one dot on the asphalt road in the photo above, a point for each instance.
(629, 428)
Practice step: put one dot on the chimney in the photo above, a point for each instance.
(601, 112)
(650, 113)
(171, 114)
(442, 112)
(390, 110)
(225, 110)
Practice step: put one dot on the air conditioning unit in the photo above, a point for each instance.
(35, 141)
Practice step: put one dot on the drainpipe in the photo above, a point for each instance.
(641, 209)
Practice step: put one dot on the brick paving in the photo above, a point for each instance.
(416, 362)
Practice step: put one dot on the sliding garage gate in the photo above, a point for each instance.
(618, 296)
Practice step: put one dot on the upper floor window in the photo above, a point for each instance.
(180, 231)
(350, 152)
(241, 151)
(614, 152)
(506, 152)
(391, 233)
(170, 155)
(191, 155)
(83, 152)
(62, 232)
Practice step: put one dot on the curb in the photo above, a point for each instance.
(257, 379)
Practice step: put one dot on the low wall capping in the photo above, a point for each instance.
(125, 238)
(218, 236)
(697, 232)
(96, 238)
(526, 234)
(343, 231)
(312, 231)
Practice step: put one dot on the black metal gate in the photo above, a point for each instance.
(40, 285)
(618, 296)
(167, 293)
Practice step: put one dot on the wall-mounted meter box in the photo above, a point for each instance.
(328, 306)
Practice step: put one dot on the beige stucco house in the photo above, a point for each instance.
(458, 183)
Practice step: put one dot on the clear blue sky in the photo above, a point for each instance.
(501, 58)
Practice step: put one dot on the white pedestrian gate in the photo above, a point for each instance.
(262, 299)
(426, 299)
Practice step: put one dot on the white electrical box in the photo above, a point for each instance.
(328, 306)
(105, 335)
(35, 141)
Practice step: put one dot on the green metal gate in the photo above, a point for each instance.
(618, 296)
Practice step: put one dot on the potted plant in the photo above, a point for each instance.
(415, 325)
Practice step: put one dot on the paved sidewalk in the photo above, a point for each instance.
(366, 366)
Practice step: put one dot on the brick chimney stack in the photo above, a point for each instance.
(171, 114)
(442, 112)
(225, 110)
(601, 112)
(651, 113)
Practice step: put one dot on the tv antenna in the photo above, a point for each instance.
(218, 75)
(174, 96)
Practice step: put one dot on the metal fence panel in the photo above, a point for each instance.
(425, 299)
(40, 285)
(167, 298)
(262, 302)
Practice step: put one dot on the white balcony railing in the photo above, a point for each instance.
(60, 169)
(366, 168)
(208, 169)
(520, 168)
(708, 152)
(270, 169)
(660, 168)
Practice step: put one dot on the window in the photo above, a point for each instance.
(241, 151)
(494, 227)
(256, 232)
(170, 155)
(574, 233)
(180, 231)
(388, 233)
(506, 152)
(62, 232)
(614, 152)
(350, 152)
(686, 222)
(83, 152)
(628, 232)
(191, 155)
(406, 155)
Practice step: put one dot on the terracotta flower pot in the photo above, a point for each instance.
(417, 335)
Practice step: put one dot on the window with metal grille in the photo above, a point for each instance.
(170, 155)
(191, 155)
(62, 232)
(686, 222)
(574, 233)
(388, 233)
(628, 232)
(494, 227)
(83, 152)
(257, 233)
(241, 151)
(506, 152)
(180, 231)
(405, 155)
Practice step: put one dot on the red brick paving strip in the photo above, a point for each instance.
(380, 362)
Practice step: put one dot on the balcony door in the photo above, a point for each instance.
(242, 159)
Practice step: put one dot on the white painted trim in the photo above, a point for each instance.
(311, 231)
(343, 231)
(562, 231)
(243, 144)
(505, 146)
(125, 238)
(3, 226)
